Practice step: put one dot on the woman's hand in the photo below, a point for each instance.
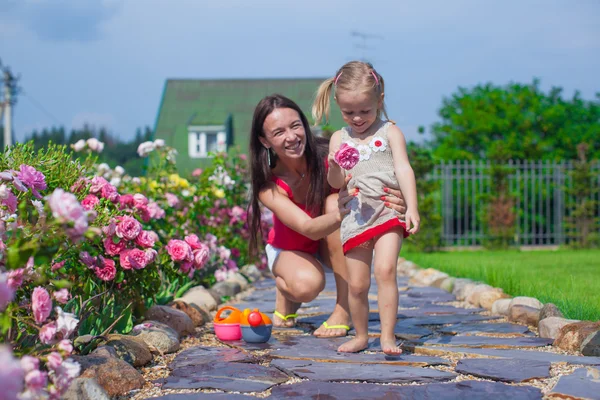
(394, 200)
(344, 196)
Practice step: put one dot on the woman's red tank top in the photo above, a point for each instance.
(285, 238)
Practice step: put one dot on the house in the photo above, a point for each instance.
(198, 116)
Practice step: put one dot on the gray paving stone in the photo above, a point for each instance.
(471, 390)
(504, 370)
(229, 376)
(508, 353)
(448, 319)
(584, 383)
(402, 330)
(311, 348)
(201, 396)
(486, 341)
(266, 283)
(373, 373)
(203, 355)
(485, 327)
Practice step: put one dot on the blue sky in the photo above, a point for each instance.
(105, 61)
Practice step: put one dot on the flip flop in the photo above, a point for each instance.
(327, 326)
(284, 317)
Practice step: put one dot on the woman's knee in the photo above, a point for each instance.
(305, 290)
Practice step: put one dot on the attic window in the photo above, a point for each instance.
(203, 140)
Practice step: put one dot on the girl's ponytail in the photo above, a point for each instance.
(322, 106)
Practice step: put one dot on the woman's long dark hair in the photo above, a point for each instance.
(315, 152)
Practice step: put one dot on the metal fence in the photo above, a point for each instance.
(539, 188)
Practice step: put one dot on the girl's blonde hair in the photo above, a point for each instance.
(355, 75)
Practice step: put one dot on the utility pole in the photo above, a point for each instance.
(363, 42)
(10, 99)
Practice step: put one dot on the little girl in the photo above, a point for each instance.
(382, 162)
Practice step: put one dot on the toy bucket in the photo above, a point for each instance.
(256, 326)
(228, 328)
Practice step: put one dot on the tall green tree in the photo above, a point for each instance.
(532, 124)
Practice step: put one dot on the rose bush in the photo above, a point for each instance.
(86, 249)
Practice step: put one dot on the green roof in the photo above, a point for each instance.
(209, 102)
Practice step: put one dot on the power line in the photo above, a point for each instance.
(41, 108)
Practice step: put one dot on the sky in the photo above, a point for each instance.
(105, 62)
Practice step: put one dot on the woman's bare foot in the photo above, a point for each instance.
(355, 345)
(389, 346)
(285, 307)
(338, 317)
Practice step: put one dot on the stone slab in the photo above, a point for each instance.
(472, 390)
(448, 319)
(504, 370)
(373, 373)
(202, 396)
(229, 376)
(505, 328)
(402, 330)
(583, 383)
(266, 283)
(486, 341)
(203, 355)
(311, 348)
(508, 353)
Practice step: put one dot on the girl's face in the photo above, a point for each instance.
(284, 133)
(359, 109)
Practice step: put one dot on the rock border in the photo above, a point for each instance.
(110, 370)
(568, 334)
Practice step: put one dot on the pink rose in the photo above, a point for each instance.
(29, 363)
(10, 201)
(128, 228)
(80, 185)
(66, 209)
(41, 304)
(137, 258)
(179, 250)
(62, 296)
(33, 179)
(201, 256)
(15, 279)
(155, 211)
(144, 213)
(146, 239)
(112, 248)
(7, 293)
(193, 241)
(66, 346)
(11, 374)
(98, 183)
(90, 202)
(126, 200)
(57, 265)
(347, 156)
(172, 200)
(197, 172)
(87, 259)
(36, 381)
(139, 200)
(186, 267)
(124, 260)
(150, 255)
(47, 333)
(106, 271)
(109, 192)
(54, 360)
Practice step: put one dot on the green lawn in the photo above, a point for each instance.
(569, 279)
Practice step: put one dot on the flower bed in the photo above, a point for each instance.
(86, 249)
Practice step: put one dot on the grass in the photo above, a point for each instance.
(569, 279)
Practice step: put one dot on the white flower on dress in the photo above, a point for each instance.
(378, 144)
(364, 151)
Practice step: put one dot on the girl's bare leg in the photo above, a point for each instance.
(331, 253)
(358, 261)
(387, 248)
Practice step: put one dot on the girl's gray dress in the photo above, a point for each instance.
(369, 217)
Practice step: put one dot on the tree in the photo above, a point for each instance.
(531, 124)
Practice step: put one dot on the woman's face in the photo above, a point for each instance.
(284, 133)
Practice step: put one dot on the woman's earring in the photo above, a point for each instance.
(270, 161)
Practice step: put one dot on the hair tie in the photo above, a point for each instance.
(374, 76)
(338, 77)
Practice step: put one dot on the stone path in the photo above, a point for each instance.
(450, 352)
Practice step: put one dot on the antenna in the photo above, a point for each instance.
(362, 42)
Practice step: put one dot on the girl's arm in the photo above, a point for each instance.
(335, 173)
(276, 200)
(405, 176)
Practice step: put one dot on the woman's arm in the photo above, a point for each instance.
(276, 200)
(405, 176)
(335, 174)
